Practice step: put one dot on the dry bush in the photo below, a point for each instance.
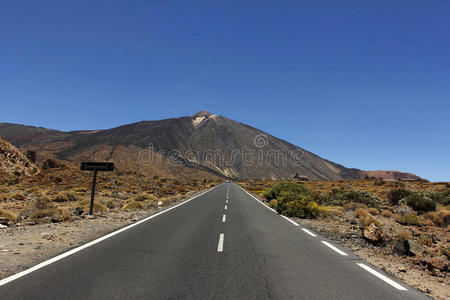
(133, 205)
(386, 213)
(42, 203)
(56, 215)
(6, 214)
(354, 206)
(105, 193)
(369, 219)
(410, 219)
(273, 203)
(440, 218)
(64, 196)
(331, 211)
(98, 207)
(17, 196)
(425, 240)
(361, 213)
(404, 235)
(4, 190)
(373, 211)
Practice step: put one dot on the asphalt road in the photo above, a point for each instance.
(194, 252)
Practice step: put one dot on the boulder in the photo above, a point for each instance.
(408, 247)
(374, 234)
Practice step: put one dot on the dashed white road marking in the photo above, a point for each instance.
(220, 246)
(224, 218)
(226, 206)
(382, 277)
(334, 248)
(309, 232)
(226, 201)
(75, 250)
(289, 220)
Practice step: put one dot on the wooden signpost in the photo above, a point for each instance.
(95, 166)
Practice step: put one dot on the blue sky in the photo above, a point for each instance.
(362, 83)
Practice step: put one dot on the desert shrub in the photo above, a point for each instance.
(64, 196)
(395, 195)
(353, 206)
(57, 179)
(110, 204)
(442, 198)
(273, 203)
(361, 213)
(386, 213)
(286, 188)
(420, 202)
(441, 217)
(17, 196)
(410, 219)
(331, 211)
(406, 235)
(41, 203)
(369, 219)
(378, 182)
(373, 211)
(55, 215)
(133, 205)
(6, 214)
(425, 240)
(141, 197)
(98, 207)
(342, 197)
(445, 251)
(292, 204)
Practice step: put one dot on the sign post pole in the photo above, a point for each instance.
(94, 179)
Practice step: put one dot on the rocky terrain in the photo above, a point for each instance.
(13, 162)
(198, 146)
(402, 228)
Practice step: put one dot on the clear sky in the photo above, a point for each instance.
(362, 83)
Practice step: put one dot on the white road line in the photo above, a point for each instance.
(226, 206)
(382, 277)
(257, 200)
(78, 249)
(226, 201)
(335, 249)
(220, 246)
(289, 220)
(309, 232)
(224, 218)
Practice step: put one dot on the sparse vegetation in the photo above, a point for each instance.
(421, 202)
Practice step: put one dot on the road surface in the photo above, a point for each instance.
(213, 247)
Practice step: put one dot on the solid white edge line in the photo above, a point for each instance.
(289, 220)
(220, 245)
(258, 200)
(309, 232)
(98, 240)
(224, 218)
(382, 277)
(334, 248)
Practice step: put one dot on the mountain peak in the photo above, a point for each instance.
(203, 113)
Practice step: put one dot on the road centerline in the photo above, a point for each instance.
(224, 218)
(220, 245)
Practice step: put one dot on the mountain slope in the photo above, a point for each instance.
(191, 145)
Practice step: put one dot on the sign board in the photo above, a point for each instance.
(97, 166)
